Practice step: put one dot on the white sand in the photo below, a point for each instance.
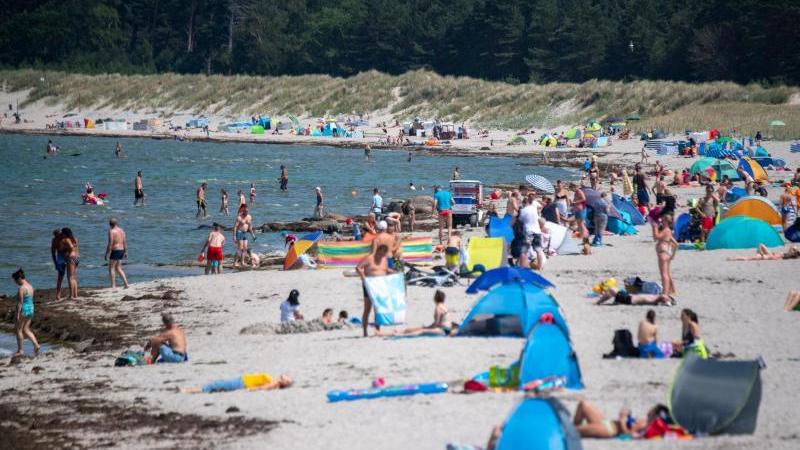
(740, 307)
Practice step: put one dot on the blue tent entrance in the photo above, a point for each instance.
(510, 310)
(538, 424)
(547, 353)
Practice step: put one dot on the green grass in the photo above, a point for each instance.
(673, 106)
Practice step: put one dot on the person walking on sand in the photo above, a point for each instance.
(223, 207)
(138, 189)
(666, 246)
(372, 265)
(214, 255)
(170, 345)
(243, 225)
(201, 201)
(319, 206)
(443, 204)
(252, 195)
(24, 313)
(72, 256)
(116, 251)
(58, 260)
(284, 178)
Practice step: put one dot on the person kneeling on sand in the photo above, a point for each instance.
(442, 325)
(622, 297)
(249, 381)
(169, 346)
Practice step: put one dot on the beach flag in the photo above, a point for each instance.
(388, 295)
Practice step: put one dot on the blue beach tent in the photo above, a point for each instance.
(547, 353)
(508, 275)
(624, 205)
(539, 424)
(743, 232)
(510, 310)
(501, 227)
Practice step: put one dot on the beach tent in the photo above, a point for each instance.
(681, 229)
(743, 232)
(501, 227)
(256, 129)
(561, 240)
(518, 140)
(633, 116)
(299, 247)
(548, 141)
(593, 127)
(593, 197)
(626, 206)
(507, 275)
(794, 147)
(711, 396)
(770, 161)
(265, 122)
(753, 168)
(539, 424)
(510, 310)
(720, 167)
(573, 133)
(760, 152)
(735, 194)
(756, 207)
(488, 252)
(548, 353)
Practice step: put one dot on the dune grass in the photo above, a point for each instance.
(674, 106)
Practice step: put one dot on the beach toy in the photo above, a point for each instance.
(200, 258)
(378, 382)
(388, 391)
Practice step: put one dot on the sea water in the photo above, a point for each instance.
(40, 194)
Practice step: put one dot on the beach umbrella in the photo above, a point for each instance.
(777, 123)
(593, 198)
(541, 183)
(299, 247)
(506, 275)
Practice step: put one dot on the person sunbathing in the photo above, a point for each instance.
(251, 382)
(763, 254)
(441, 326)
(622, 297)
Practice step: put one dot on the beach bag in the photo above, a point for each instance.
(130, 358)
(623, 345)
(505, 377)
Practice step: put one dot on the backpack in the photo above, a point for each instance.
(623, 345)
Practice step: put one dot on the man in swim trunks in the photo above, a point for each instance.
(373, 265)
(138, 189)
(708, 212)
(214, 255)
(169, 346)
(58, 260)
(284, 178)
(243, 225)
(201, 200)
(377, 204)
(452, 251)
(116, 251)
(319, 205)
(443, 204)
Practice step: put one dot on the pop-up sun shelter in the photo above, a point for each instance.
(742, 232)
(539, 424)
(756, 207)
(548, 353)
(753, 168)
(510, 310)
(716, 397)
(628, 207)
(720, 167)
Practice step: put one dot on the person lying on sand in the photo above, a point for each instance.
(621, 297)
(249, 381)
(792, 301)
(169, 346)
(764, 254)
(591, 423)
(441, 326)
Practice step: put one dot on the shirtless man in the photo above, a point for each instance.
(243, 225)
(138, 189)
(452, 251)
(169, 346)
(214, 255)
(284, 178)
(383, 238)
(252, 195)
(708, 211)
(658, 189)
(116, 251)
(512, 205)
(201, 200)
(373, 265)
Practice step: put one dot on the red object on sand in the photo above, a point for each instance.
(201, 257)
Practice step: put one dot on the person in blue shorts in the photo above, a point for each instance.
(170, 345)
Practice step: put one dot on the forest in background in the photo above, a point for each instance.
(510, 40)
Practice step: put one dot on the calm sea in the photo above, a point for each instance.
(41, 194)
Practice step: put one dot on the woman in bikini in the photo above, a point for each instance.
(72, 256)
(579, 209)
(562, 200)
(690, 335)
(666, 246)
(442, 324)
(594, 174)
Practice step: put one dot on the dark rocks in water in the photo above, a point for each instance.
(305, 226)
(423, 204)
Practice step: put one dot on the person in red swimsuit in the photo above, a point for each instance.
(214, 255)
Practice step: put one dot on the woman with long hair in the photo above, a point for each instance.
(666, 247)
(691, 341)
(72, 256)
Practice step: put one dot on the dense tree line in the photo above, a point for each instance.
(514, 40)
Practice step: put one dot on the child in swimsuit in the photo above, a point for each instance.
(24, 313)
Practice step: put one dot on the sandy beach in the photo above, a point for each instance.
(80, 399)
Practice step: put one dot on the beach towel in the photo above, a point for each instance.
(487, 252)
(388, 295)
(350, 253)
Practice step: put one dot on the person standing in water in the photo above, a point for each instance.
(456, 174)
(138, 189)
(252, 195)
(72, 256)
(243, 225)
(58, 260)
(214, 255)
(284, 178)
(320, 205)
(118, 150)
(24, 313)
(367, 152)
(223, 207)
(201, 200)
(242, 201)
(116, 251)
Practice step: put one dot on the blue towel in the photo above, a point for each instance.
(388, 295)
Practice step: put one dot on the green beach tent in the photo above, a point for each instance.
(518, 140)
(743, 232)
(573, 133)
(777, 123)
(593, 126)
(256, 129)
(720, 166)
